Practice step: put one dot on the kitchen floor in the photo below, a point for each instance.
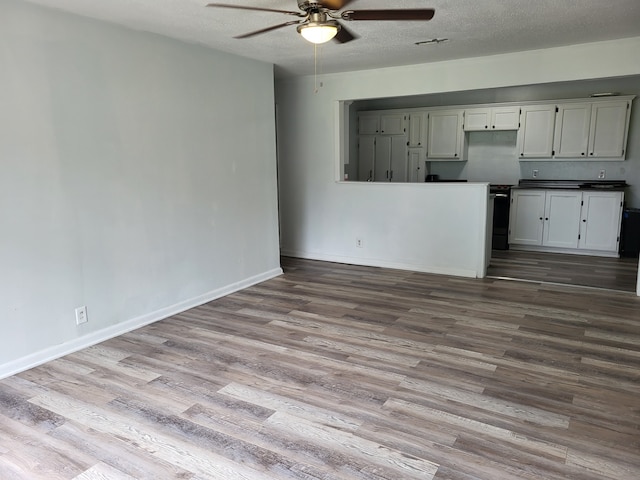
(600, 272)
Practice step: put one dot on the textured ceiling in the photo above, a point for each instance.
(474, 27)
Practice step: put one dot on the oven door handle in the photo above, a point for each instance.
(502, 195)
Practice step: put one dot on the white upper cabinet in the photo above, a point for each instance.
(375, 123)
(392, 124)
(476, 119)
(368, 124)
(592, 130)
(535, 137)
(608, 129)
(445, 138)
(496, 118)
(417, 127)
(571, 137)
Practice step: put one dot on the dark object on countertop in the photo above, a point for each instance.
(568, 184)
(630, 233)
(432, 178)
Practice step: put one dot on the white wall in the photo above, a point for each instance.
(138, 178)
(321, 217)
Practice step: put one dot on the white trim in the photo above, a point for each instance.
(375, 262)
(57, 351)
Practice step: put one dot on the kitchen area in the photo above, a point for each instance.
(557, 171)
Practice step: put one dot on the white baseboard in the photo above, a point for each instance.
(57, 351)
(376, 262)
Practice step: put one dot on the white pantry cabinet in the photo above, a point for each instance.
(417, 170)
(366, 154)
(417, 129)
(445, 135)
(492, 118)
(568, 221)
(382, 158)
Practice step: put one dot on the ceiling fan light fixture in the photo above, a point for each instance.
(315, 32)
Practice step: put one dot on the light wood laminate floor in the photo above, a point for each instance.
(343, 372)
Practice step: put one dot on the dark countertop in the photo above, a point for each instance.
(573, 184)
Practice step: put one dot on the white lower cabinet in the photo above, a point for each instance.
(561, 219)
(565, 221)
(600, 221)
(526, 217)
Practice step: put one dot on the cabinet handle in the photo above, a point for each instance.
(547, 219)
(584, 220)
(540, 218)
(590, 153)
(582, 154)
(391, 177)
(493, 126)
(387, 173)
(486, 126)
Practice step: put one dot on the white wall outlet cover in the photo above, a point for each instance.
(81, 315)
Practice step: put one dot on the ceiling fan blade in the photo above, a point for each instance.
(411, 14)
(240, 7)
(344, 35)
(334, 4)
(268, 29)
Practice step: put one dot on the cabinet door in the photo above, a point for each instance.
(392, 124)
(382, 159)
(600, 221)
(477, 119)
(608, 130)
(535, 137)
(417, 166)
(505, 118)
(571, 137)
(526, 217)
(561, 219)
(366, 155)
(368, 123)
(445, 134)
(416, 129)
(398, 160)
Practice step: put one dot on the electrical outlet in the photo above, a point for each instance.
(602, 174)
(359, 242)
(534, 174)
(81, 315)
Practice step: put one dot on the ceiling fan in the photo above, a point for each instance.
(318, 18)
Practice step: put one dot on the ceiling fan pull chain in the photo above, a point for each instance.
(315, 68)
